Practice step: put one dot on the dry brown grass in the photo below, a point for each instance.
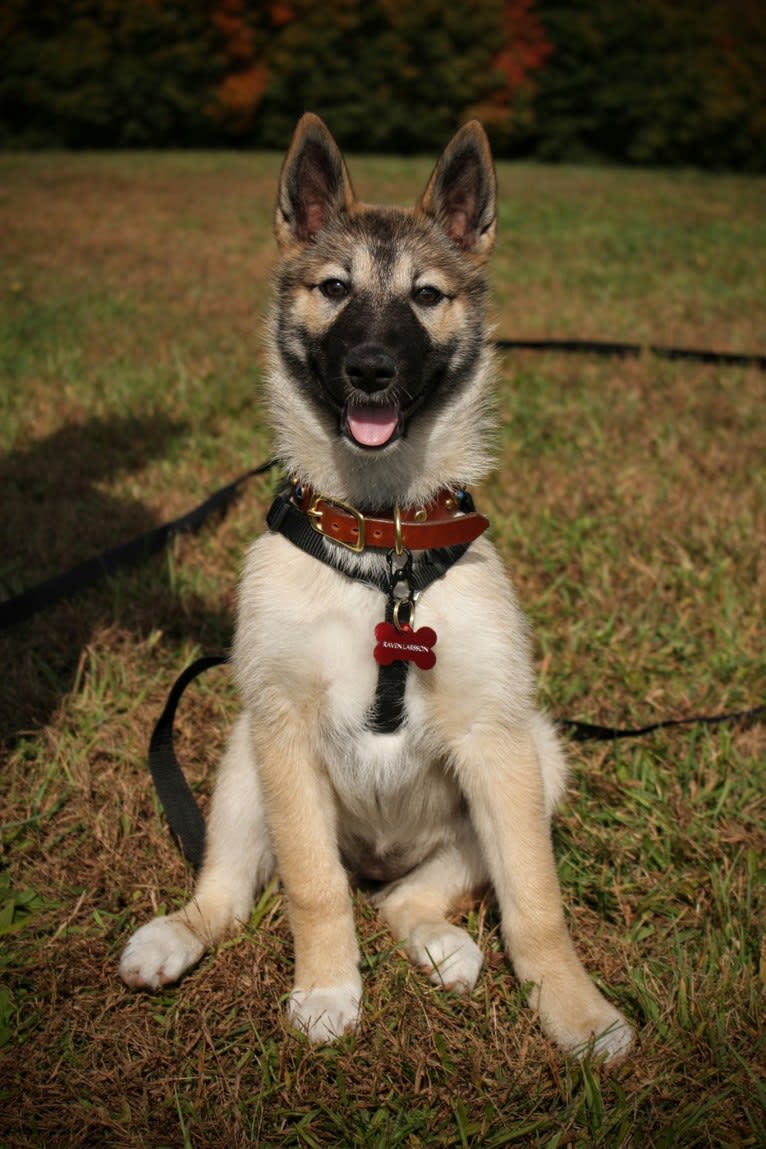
(630, 504)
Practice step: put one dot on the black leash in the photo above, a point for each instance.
(23, 606)
(178, 801)
(588, 732)
(136, 550)
(181, 810)
(183, 813)
(632, 351)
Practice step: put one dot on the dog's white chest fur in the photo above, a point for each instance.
(313, 640)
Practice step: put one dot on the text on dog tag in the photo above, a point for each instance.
(404, 645)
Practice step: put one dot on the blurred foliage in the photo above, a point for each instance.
(637, 81)
(389, 74)
(654, 81)
(106, 73)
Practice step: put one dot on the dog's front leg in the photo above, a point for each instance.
(326, 997)
(501, 775)
(238, 861)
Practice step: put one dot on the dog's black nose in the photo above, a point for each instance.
(369, 367)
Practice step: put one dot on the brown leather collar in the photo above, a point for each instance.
(440, 523)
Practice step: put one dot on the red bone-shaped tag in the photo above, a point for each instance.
(405, 645)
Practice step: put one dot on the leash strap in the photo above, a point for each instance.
(387, 714)
(181, 810)
(86, 574)
(185, 818)
(588, 732)
(633, 350)
(22, 606)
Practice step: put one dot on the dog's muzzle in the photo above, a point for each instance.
(371, 370)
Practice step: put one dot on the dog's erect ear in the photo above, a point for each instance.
(314, 185)
(461, 194)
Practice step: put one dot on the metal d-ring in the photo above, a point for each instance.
(410, 623)
(398, 542)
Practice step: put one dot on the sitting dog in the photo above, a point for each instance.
(403, 753)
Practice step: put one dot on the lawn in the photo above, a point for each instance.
(629, 502)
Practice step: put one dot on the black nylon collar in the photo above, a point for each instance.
(387, 713)
(285, 518)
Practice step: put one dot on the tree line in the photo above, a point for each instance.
(637, 81)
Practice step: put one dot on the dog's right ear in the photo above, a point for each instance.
(314, 185)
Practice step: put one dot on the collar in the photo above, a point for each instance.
(450, 519)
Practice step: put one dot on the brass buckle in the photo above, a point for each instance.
(315, 520)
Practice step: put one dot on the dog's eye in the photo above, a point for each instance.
(427, 296)
(334, 289)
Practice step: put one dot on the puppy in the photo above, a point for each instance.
(406, 753)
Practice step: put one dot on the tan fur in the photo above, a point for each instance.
(463, 793)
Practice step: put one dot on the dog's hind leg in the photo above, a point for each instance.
(238, 861)
(416, 909)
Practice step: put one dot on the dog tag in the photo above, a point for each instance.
(404, 645)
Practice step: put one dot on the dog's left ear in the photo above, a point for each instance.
(461, 194)
(314, 185)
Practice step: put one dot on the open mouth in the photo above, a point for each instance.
(372, 425)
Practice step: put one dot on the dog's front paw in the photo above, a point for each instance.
(158, 953)
(446, 954)
(325, 1013)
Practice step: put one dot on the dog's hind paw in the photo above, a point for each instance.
(158, 953)
(325, 1013)
(447, 954)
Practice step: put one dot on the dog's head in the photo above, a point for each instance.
(378, 334)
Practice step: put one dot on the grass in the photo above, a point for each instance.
(629, 503)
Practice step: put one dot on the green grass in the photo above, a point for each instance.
(629, 503)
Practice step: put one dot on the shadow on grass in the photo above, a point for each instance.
(59, 509)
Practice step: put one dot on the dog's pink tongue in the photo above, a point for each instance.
(371, 425)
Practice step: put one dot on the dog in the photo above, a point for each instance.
(375, 746)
